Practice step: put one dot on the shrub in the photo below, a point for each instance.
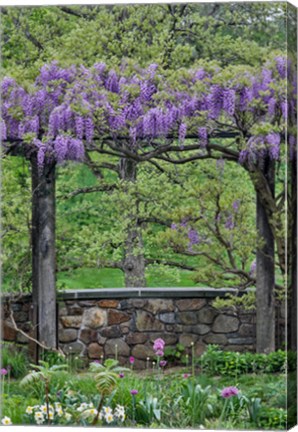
(217, 362)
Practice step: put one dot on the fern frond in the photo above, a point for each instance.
(30, 378)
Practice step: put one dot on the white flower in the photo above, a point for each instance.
(59, 412)
(109, 418)
(6, 421)
(107, 410)
(43, 408)
(67, 416)
(51, 415)
(122, 417)
(119, 410)
(91, 405)
(29, 410)
(38, 417)
(89, 412)
(82, 407)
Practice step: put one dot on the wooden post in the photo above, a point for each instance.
(265, 326)
(43, 254)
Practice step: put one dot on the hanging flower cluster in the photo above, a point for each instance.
(67, 109)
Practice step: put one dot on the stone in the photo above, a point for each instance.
(200, 329)
(117, 317)
(136, 338)
(187, 339)
(8, 332)
(169, 338)
(217, 339)
(124, 330)
(190, 304)
(62, 311)
(199, 348)
(101, 340)
(21, 338)
(75, 310)
(94, 318)
(187, 317)
(241, 341)
(139, 364)
(168, 317)
(247, 330)
(21, 316)
(122, 347)
(74, 348)
(147, 322)
(207, 315)
(95, 351)
(88, 335)
(87, 303)
(247, 318)
(132, 303)
(16, 307)
(225, 324)
(68, 335)
(239, 348)
(108, 303)
(73, 321)
(159, 305)
(142, 352)
(111, 332)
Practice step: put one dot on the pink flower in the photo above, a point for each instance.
(163, 363)
(228, 392)
(186, 375)
(121, 375)
(159, 344)
(96, 361)
(134, 392)
(159, 353)
(131, 360)
(3, 371)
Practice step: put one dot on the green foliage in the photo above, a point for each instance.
(174, 354)
(41, 372)
(214, 361)
(15, 358)
(273, 418)
(198, 402)
(106, 376)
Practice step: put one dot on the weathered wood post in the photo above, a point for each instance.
(43, 254)
(265, 329)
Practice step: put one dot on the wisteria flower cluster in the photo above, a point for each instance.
(67, 109)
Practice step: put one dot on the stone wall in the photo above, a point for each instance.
(94, 323)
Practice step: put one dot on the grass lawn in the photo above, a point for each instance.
(112, 278)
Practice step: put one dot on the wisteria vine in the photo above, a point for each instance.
(68, 109)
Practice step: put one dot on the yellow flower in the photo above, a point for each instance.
(6, 421)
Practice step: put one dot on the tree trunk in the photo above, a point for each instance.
(265, 331)
(43, 254)
(134, 260)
